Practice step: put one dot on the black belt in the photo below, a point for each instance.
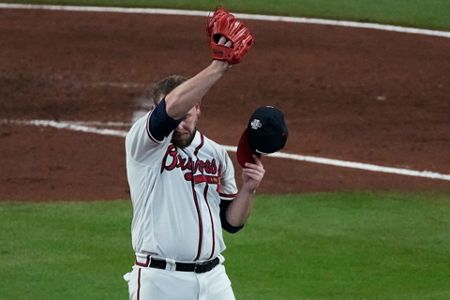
(199, 267)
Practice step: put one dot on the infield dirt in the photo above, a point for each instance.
(351, 94)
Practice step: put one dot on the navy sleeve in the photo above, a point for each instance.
(161, 124)
(225, 225)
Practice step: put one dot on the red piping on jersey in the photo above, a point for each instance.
(219, 174)
(200, 223)
(202, 141)
(197, 206)
(205, 195)
(228, 195)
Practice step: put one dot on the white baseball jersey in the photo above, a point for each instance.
(176, 195)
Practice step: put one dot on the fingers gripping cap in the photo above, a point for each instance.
(266, 133)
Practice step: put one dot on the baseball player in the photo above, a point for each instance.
(182, 184)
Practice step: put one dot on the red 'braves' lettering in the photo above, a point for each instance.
(174, 160)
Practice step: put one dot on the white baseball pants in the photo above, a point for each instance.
(146, 283)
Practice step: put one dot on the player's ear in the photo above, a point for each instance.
(197, 109)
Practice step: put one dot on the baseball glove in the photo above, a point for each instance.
(223, 23)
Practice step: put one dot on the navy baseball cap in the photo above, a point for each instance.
(266, 133)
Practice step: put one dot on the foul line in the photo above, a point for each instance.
(78, 126)
(67, 125)
(199, 13)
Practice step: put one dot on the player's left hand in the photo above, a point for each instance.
(224, 24)
(252, 175)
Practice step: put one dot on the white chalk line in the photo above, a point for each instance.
(99, 124)
(82, 127)
(123, 85)
(199, 13)
(67, 125)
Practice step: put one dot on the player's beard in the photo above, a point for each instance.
(182, 140)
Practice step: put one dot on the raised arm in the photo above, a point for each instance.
(190, 92)
(229, 40)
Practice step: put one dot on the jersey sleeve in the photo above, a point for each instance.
(228, 189)
(150, 133)
(227, 192)
(160, 124)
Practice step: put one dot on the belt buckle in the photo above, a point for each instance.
(203, 267)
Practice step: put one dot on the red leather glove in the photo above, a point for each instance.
(223, 23)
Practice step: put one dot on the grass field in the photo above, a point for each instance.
(415, 13)
(321, 246)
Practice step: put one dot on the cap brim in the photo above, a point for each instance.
(244, 152)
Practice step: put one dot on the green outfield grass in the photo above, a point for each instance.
(416, 13)
(321, 246)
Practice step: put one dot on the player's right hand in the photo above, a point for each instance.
(252, 175)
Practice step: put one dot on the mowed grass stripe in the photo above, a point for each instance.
(319, 246)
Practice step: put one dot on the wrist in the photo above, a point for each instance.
(220, 65)
(248, 190)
